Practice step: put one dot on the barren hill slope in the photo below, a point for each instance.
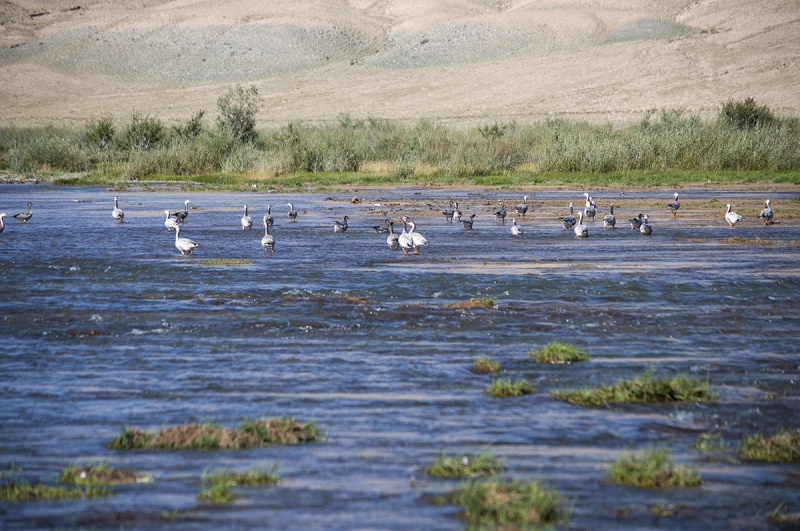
(463, 61)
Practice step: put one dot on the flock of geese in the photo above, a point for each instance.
(409, 240)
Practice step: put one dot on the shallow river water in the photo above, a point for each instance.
(104, 326)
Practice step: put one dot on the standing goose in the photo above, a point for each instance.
(467, 223)
(523, 208)
(636, 222)
(448, 214)
(170, 223)
(292, 213)
(500, 214)
(391, 240)
(184, 245)
(609, 221)
(404, 240)
(645, 227)
(417, 239)
(247, 221)
(2, 225)
(456, 213)
(732, 217)
(580, 230)
(180, 215)
(766, 214)
(117, 214)
(568, 222)
(270, 219)
(382, 229)
(516, 230)
(24, 216)
(340, 227)
(674, 206)
(590, 209)
(267, 241)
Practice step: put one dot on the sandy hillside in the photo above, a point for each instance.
(465, 61)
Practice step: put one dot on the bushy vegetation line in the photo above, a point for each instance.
(744, 136)
(679, 388)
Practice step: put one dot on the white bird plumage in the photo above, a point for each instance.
(417, 239)
(117, 214)
(292, 213)
(579, 229)
(674, 206)
(2, 225)
(170, 223)
(609, 221)
(404, 240)
(516, 230)
(645, 227)
(268, 241)
(247, 221)
(732, 217)
(184, 245)
(340, 227)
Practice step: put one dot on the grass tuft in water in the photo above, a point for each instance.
(492, 503)
(131, 439)
(651, 470)
(738, 240)
(226, 261)
(484, 303)
(484, 366)
(679, 388)
(95, 475)
(218, 486)
(16, 491)
(710, 442)
(281, 430)
(456, 466)
(779, 518)
(505, 388)
(783, 447)
(558, 352)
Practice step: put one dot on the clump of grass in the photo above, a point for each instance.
(353, 299)
(218, 486)
(484, 303)
(95, 474)
(250, 434)
(484, 366)
(505, 387)
(456, 466)
(492, 503)
(679, 388)
(226, 261)
(783, 447)
(663, 510)
(216, 489)
(738, 240)
(710, 442)
(558, 352)
(779, 518)
(16, 491)
(651, 470)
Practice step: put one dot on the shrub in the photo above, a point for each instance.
(237, 111)
(192, 128)
(746, 114)
(100, 134)
(143, 133)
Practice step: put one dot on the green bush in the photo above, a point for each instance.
(746, 114)
(192, 128)
(100, 134)
(237, 112)
(142, 133)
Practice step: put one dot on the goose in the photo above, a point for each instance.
(568, 222)
(674, 206)
(766, 214)
(636, 222)
(170, 223)
(500, 214)
(590, 209)
(381, 229)
(184, 245)
(580, 230)
(24, 216)
(247, 221)
(516, 230)
(180, 215)
(645, 227)
(522, 209)
(448, 214)
(117, 214)
(391, 240)
(267, 241)
(2, 225)
(292, 213)
(467, 223)
(609, 221)
(456, 213)
(270, 219)
(340, 227)
(417, 239)
(404, 240)
(732, 217)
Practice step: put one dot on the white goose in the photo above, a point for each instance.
(732, 217)
(568, 222)
(522, 209)
(404, 240)
(766, 214)
(340, 227)
(247, 221)
(292, 213)
(184, 245)
(580, 230)
(609, 221)
(170, 223)
(516, 230)
(391, 240)
(590, 209)
(117, 214)
(645, 227)
(267, 241)
(417, 239)
(674, 206)
(457, 213)
(2, 225)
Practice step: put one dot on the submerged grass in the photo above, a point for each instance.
(485, 366)
(558, 352)
(16, 491)
(484, 303)
(505, 387)
(493, 503)
(779, 518)
(782, 447)
(226, 261)
(679, 388)
(738, 240)
(218, 486)
(251, 433)
(710, 442)
(462, 465)
(95, 474)
(652, 469)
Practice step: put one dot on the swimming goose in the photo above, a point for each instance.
(516, 230)
(645, 227)
(381, 229)
(391, 240)
(674, 206)
(766, 214)
(523, 208)
(270, 219)
(417, 239)
(580, 230)
(590, 209)
(609, 221)
(732, 217)
(267, 241)
(117, 214)
(636, 222)
(24, 216)
(456, 213)
(247, 221)
(448, 214)
(2, 225)
(467, 223)
(404, 240)
(500, 214)
(568, 222)
(180, 215)
(340, 227)
(292, 213)
(184, 245)
(170, 223)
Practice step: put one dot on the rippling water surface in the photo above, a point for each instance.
(104, 326)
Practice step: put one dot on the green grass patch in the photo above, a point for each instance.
(679, 388)
(782, 447)
(226, 261)
(652, 469)
(710, 442)
(463, 465)
(505, 387)
(16, 491)
(251, 433)
(779, 518)
(484, 303)
(493, 503)
(558, 352)
(218, 486)
(95, 474)
(485, 366)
